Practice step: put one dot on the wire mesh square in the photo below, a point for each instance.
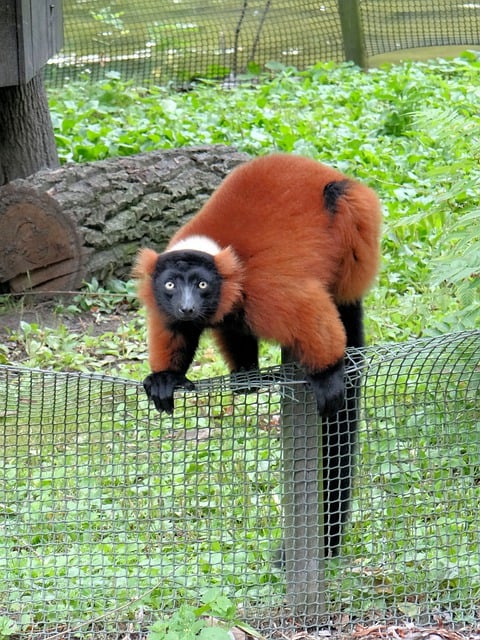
(112, 515)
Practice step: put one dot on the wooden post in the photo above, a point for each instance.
(31, 31)
(352, 32)
(303, 501)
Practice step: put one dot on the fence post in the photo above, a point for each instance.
(352, 32)
(303, 501)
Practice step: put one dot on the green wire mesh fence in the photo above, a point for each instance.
(153, 40)
(112, 516)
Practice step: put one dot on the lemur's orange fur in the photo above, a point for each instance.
(286, 260)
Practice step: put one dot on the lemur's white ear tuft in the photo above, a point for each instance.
(231, 269)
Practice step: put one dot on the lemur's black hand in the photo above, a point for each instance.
(329, 388)
(160, 386)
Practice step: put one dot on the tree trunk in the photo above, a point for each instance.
(84, 220)
(27, 143)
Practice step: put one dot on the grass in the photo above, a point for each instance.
(103, 501)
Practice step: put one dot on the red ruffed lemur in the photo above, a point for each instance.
(283, 250)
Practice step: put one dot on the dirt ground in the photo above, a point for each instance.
(47, 314)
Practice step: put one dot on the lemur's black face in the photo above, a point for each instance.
(187, 286)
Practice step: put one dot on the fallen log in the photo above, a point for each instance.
(61, 226)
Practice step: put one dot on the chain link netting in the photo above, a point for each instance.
(179, 41)
(407, 24)
(112, 515)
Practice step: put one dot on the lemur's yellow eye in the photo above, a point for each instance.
(169, 285)
(202, 284)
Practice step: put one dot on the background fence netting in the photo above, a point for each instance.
(159, 41)
(112, 515)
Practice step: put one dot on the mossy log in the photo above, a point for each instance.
(61, 226)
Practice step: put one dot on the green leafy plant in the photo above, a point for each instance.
(105, 299)
(456, 185)
(186, 624)
(210, 621)
(7, 627)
